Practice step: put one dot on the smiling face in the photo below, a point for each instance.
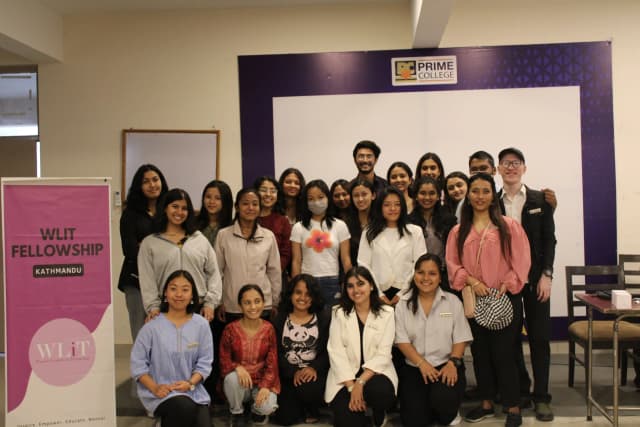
(268, 194)
(151, 185)
(391, 209)
(427, 196)
(341, 197)
(430, 168)
(456, 188)
(248, 206)
(399, 178)
(178, 293)
(358, 290)
(365, 160)
(362, 197)
(213, 201)
(480, 195)
(177, 212)
(251, 304)
(511, 169)
(427, 277)
(291, 185)
(300, 297)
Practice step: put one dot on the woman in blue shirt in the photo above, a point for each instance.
(172, 356)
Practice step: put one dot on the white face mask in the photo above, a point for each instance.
(318, 207)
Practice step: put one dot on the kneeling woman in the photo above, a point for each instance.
(361, 373)
(172, 355)
(302, 328)
(249, 360)
(431, 333)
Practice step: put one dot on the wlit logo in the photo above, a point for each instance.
(62, 352)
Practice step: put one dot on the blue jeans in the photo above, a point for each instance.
(331, 291)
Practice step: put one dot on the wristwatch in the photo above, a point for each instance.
(361, 381)
(457, 362)
(548, 272)
(192, 386)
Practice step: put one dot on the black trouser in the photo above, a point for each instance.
(181, 411)
(296, 402)
(538, 319)
(494, 359)
(423, 404)
(379, 395)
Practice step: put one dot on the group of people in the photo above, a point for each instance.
(349, 294)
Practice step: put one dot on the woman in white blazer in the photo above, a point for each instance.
(361, 373)
(391, 245)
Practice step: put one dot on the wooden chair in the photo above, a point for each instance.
(630, 277)
(628, 335)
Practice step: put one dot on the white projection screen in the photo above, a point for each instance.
(317, 133)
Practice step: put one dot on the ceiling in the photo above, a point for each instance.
(67, 7)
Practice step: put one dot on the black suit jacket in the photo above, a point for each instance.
(537, 221)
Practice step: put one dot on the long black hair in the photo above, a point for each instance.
(379, 223)
(306, 213)
(189, 224)
(435, 158)
(412, 302)
(195, 298)
(466, 217)
(335, 210)
(243, 192)
(224, 217)
(299, 202)
(441, 219)
(136, 199)
(451, 204)
(347, 304)
(278, 207)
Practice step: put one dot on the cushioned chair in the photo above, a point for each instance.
(628, 333)
(630, 277)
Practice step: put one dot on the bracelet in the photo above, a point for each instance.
(419, 363)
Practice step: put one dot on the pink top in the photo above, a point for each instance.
(492, 269)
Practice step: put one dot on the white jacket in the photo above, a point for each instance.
(344, 347)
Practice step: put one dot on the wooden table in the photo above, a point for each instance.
(604, 306)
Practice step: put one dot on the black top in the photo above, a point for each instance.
(134, 227)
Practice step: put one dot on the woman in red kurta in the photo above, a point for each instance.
(489, 251)
(249, 360)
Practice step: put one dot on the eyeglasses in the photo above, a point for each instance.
(510, 164)
(268, 190)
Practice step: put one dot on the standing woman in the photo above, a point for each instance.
(391, 245)
(302, 329)
(363, 195)
(431, 333)
(490, 252)
(456, 185)
(172, 356)
(400, 176)
(216, 209)
(431, 165)
(433, 218)
(292, 182)
(178, 245)
(136, 223)
(320, 241)
(361, 374)
(249, 360)
(248, 253)
(340, 201)
(272, 217)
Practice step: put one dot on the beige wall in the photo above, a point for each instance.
(179, 70)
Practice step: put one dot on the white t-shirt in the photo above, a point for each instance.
(320, 246)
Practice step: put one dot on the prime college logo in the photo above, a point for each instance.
(430, 70)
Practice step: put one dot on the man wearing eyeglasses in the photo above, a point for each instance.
(529, 207)
(365, 156)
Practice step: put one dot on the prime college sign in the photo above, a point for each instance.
(429, 70)
(59, 315)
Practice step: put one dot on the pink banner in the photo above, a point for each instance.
(58, 293)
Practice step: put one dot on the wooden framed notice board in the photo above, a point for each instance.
(187, 158)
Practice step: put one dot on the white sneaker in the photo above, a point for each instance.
(457, 420)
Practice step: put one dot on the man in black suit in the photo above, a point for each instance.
(529, 207)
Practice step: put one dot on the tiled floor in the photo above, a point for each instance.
(568, 403)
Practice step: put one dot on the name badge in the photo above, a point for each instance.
(446, 314)
(535, 211)
(192, 345)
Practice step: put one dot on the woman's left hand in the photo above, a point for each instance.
(304, 375)
(449, 374)
(207, 313)
(503, 290)
(182, 386)
(357, 403)
(395, 299)
(262, 396)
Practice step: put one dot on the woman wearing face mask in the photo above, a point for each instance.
(272, 217)
(320, 241)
